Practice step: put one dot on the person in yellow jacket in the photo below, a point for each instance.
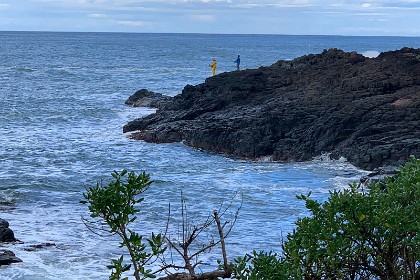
(213, 67)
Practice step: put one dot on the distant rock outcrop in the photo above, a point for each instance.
(344, 104)
(8, 257)
(6, 235)
(146, 98)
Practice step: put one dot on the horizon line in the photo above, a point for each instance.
(202, 33)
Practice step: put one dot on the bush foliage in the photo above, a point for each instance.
(362, 232)
(114, 205)
(357, 233)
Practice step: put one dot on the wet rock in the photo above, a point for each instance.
(379, 174)
(146, 98)
(36, 247)
(364, 109)
(8, 257)
(6, 234)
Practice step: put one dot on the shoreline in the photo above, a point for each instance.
(340, 103)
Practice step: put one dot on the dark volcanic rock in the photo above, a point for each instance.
(6, 234)
(364, 109)
(37, 247)
(8, 257)
(146, 98)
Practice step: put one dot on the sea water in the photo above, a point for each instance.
(61, 116)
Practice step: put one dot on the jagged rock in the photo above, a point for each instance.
(146, 98)
(8, 257)
(379, 174)
(37, 247)
(364, 109)
(6, 234)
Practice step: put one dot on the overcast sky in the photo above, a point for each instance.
(313, 17)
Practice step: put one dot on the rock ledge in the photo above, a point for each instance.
(364, 109)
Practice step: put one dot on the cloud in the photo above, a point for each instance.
(205, 18)
(203, 1)
(225, 16)
(407, 4)
(97, 15)
(156, 5)
(132, 23)
(4, 6)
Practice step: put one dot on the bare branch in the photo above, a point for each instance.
(189, 235)
(222, 241)
(90, 227)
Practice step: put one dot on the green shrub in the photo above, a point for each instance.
(114, 206)
(355, 234)
(259, 265)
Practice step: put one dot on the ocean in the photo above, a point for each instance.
(61, 117)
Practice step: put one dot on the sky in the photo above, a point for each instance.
(295, 17)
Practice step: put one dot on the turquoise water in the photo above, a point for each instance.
(61, 116)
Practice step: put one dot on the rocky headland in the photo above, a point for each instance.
(340, 103)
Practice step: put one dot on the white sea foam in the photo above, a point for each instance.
(371, 54)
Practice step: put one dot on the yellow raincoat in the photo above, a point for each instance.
(213, 67)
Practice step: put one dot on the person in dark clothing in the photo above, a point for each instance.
(238, 61)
